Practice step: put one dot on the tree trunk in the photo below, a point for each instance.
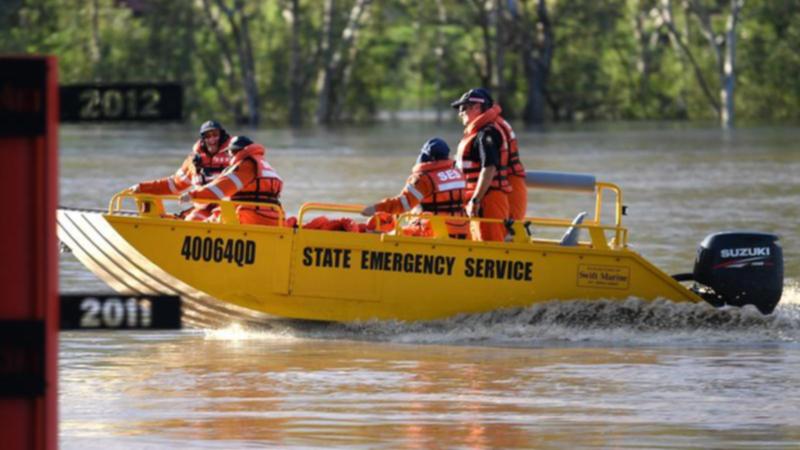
(647, 41)
(723, 47)
(484, 19)
(95, 54)
(244, 50)
(243, 64)
(729, 66)
(296, 85)
(537, 54)
(498, 75)
(347, 72)
(325, 79)
(332, 85)
(188, 77)
(441, 45)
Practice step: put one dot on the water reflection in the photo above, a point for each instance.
(265, 388)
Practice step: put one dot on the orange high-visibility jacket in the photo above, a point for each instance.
(198, 169)
(438, 187)
(469, 161)
(515, 166)
(248, 178)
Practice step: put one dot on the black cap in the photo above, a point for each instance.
(477, 95)
(433, 150)
(211, 125)
(238, 143)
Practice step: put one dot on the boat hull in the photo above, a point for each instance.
(338, 276)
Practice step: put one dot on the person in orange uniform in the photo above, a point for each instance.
(248, 178)
(483, 157)
(436, 185)
(202, 166)
(518, 197)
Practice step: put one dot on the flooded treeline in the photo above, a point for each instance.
(327, 61)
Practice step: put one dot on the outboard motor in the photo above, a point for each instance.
(739, 268)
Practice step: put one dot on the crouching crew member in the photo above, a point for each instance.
(248, 178)
(436, 185)
(201, 167)
(483, 157)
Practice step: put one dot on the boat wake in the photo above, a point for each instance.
(603, 322)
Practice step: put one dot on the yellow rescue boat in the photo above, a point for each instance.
(228, 271)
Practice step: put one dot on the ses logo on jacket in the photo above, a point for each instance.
(742, 252)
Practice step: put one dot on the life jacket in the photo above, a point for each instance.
(207, 167)
(449, 183)
(448, 196)
(515, 166)
(382, 222)
(471, 166)
(267, 186)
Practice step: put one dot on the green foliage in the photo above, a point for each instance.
(412, 55)
(770, 39)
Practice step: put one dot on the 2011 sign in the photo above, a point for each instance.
(92, 312)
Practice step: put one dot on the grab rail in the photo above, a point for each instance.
(562, 181)
(520, 233)
(580, 182)
(519, 228)
(601, 187)
(151, 205)
(333, 207)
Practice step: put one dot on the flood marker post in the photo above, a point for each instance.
(29, 117)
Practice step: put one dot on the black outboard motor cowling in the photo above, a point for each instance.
(740, 268)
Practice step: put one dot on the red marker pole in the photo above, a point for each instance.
(29, 116)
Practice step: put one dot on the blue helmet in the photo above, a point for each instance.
(477, 95)
(211, 125)
(435, 149)
(238, 143)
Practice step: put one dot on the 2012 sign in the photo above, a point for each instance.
(121, 102)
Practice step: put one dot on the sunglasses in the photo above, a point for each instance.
(464, 107)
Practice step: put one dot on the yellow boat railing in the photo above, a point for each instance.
(598, 206)
(519, 228)
(149, 205)
(352, 208)
(152, 206)
(330, 207)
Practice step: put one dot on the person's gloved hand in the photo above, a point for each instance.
(185, 198)
(473, 208)
(369, 211)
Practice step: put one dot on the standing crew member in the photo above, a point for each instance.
(436, 185)
(248, 178)
(201, 167)
(518, 197)
(483, 157)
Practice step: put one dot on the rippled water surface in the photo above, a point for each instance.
(559, 375)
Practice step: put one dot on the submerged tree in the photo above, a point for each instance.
(543, 59)
(338, 58)
(230, 25)
(536, 46)
(722, 45)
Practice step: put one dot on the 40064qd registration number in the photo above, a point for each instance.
(234, 251)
